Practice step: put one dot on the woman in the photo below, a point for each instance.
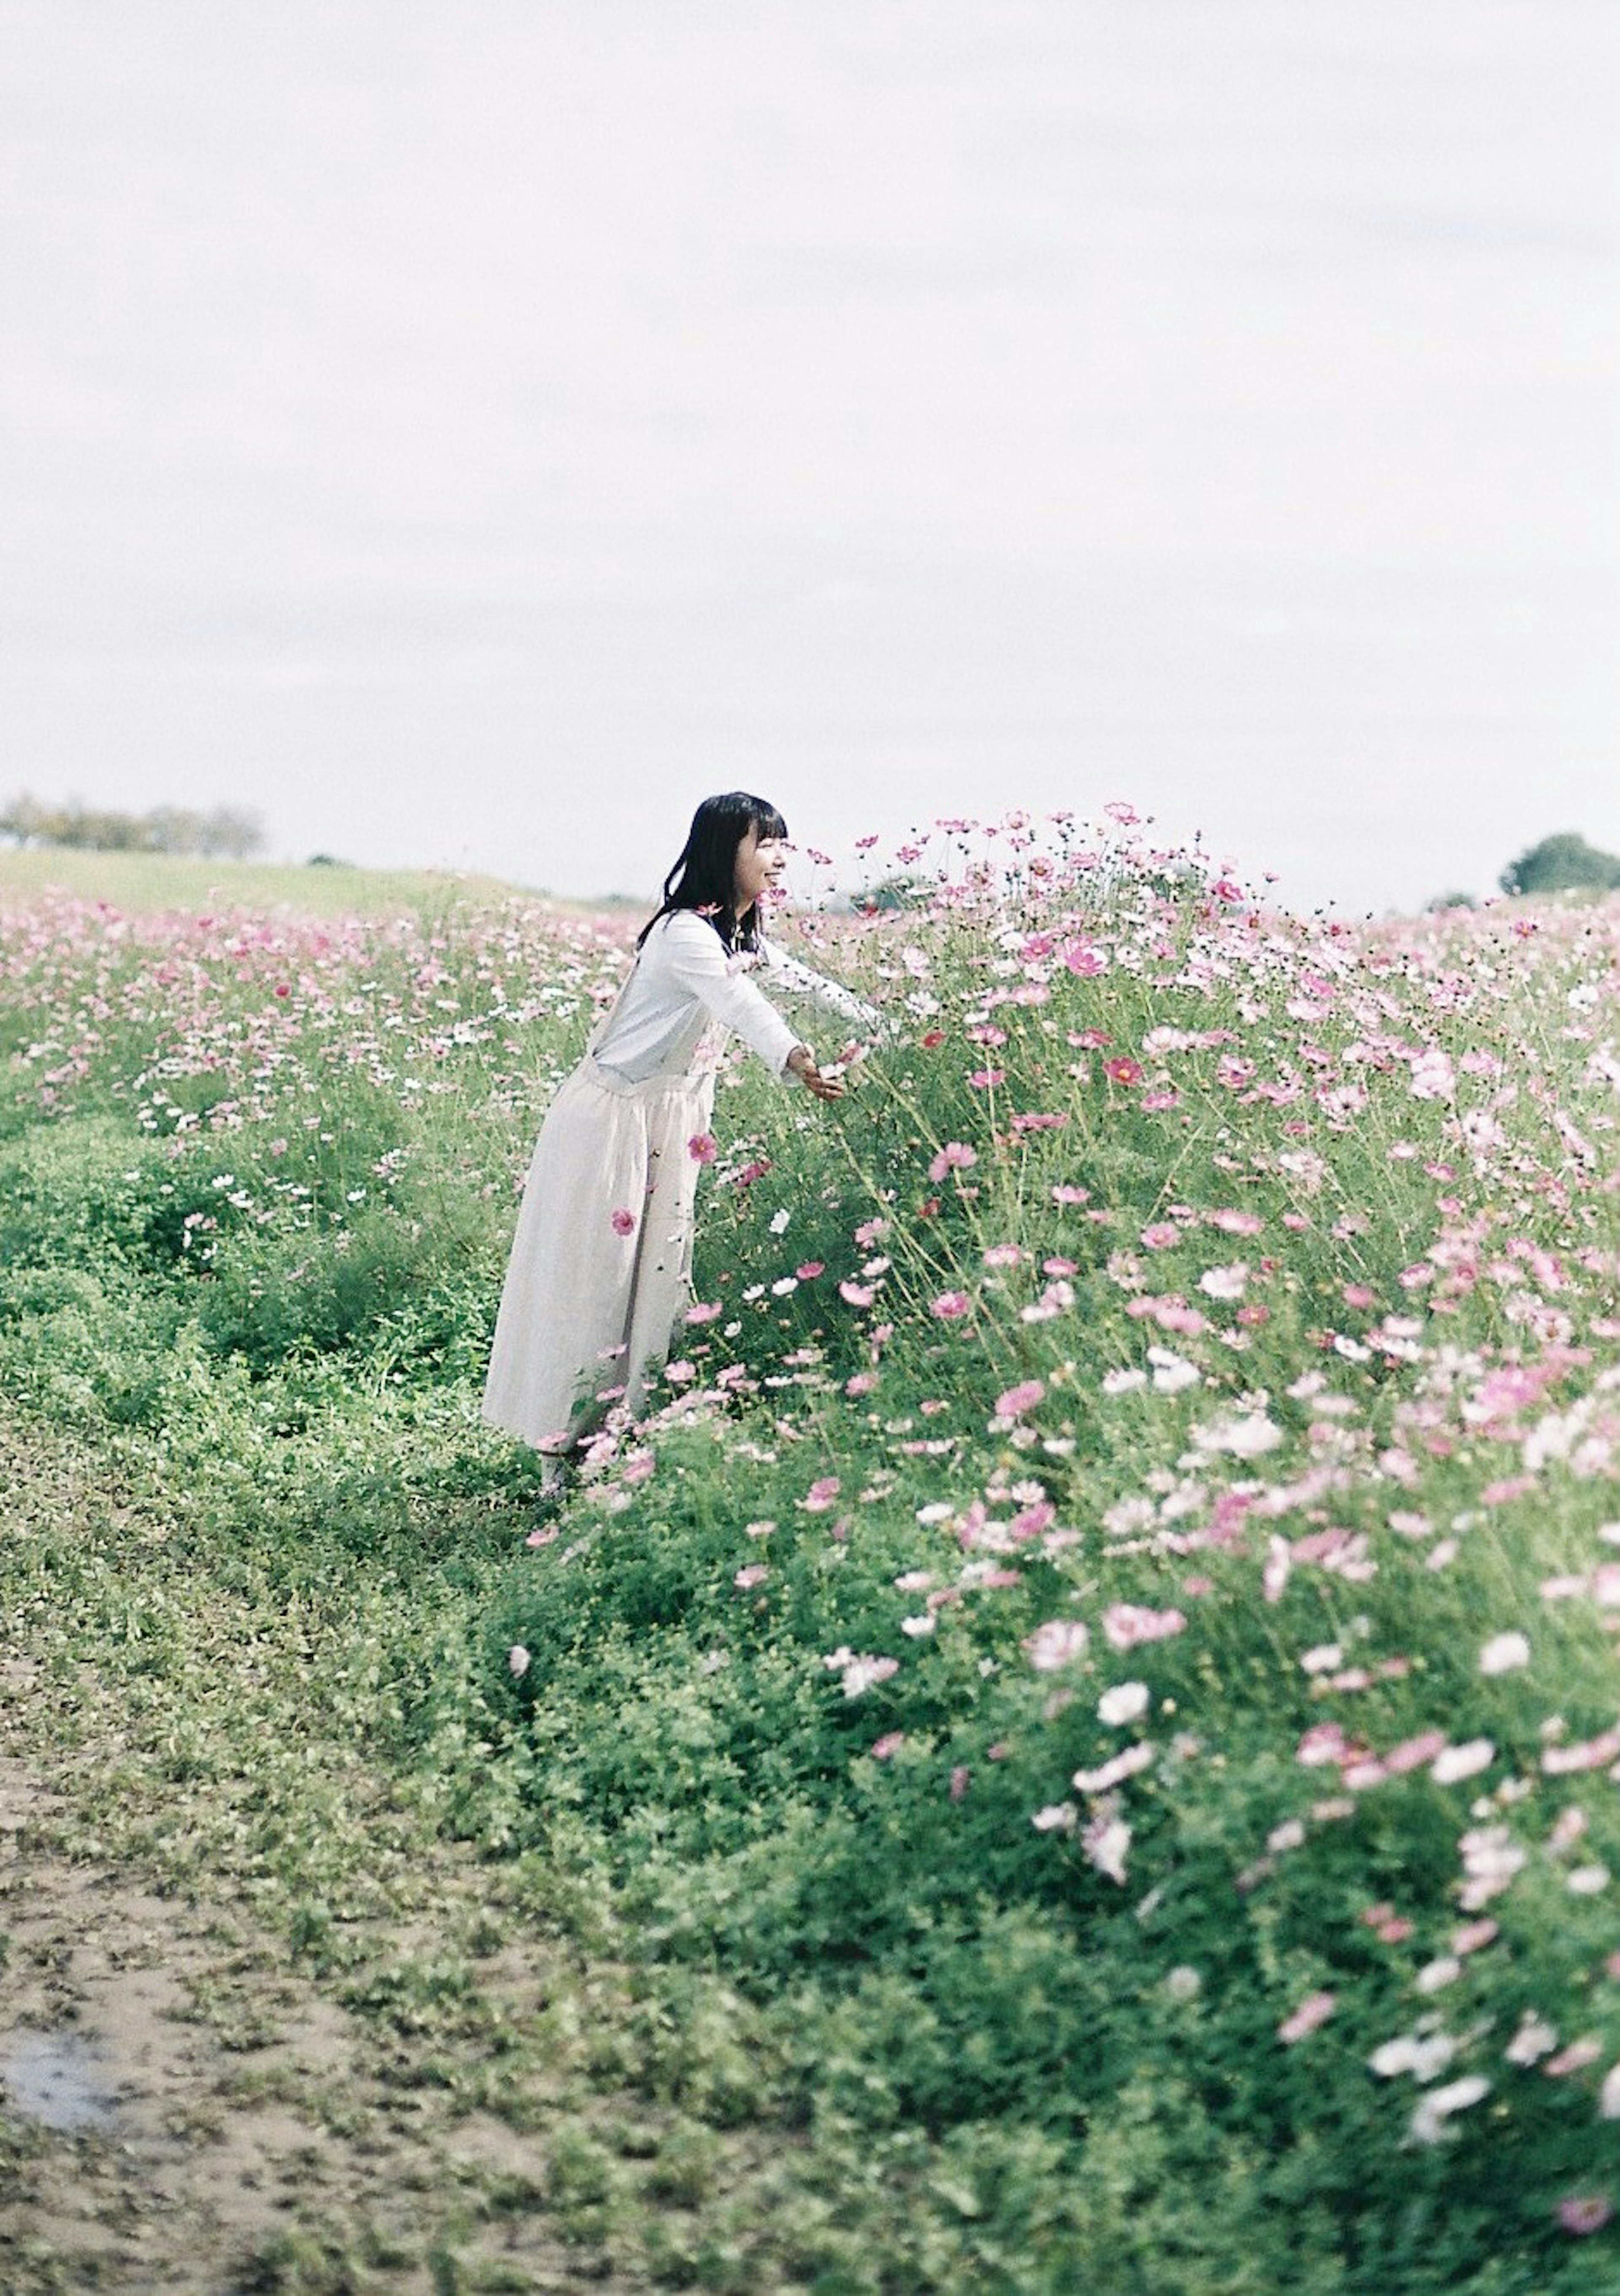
(601, 1264)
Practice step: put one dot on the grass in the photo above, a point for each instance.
(145, 881)
(1027, 1749)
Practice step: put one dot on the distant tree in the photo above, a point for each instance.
(174, 829)
(326, 861)
(225, 833)
(1454, 901)
(230, 835)
(1562, 865)
(19, 820)
(898, 892)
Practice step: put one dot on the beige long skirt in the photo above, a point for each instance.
(601, 1267)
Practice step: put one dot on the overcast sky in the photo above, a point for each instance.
(469, 433)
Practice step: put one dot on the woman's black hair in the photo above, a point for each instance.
(705, 875)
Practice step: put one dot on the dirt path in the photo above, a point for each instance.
(182, 2111)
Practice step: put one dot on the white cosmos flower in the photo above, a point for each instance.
(1465, 1761)
(1170, 1372)
(1434, 1975)
(1503, 1652)
(1535, 2037)
(1105, 1843)
(1421, 2055)
(1127, 1702)
(1429, 2121)
(1246, 1436)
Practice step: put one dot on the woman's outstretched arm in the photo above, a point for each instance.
(695, 958)
(793, 974)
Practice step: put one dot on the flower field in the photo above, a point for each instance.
(1091, 1707)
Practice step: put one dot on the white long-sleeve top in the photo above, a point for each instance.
(684, 980)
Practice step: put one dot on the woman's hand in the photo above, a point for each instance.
(802, 1061)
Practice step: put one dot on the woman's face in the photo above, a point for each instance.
(760, 864)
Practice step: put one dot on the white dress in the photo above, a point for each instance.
(600, 1273)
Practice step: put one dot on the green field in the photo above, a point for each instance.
(157, 880)
(1073, 1753)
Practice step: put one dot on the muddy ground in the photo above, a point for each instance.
(184, 2111)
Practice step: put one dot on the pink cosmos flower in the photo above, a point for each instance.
(1314, 2010)
(702, 1148)
(1113, 1773)
(1004, 1255)
(703, 1311)
(623, 1223)
(1323, 1742)
(1176, 1316)
(951, 1305)
(1412, 1753)
(1126, 1624)
(1583, 2212)
(885, 1749)
(820, 1494)
(810, 1269)
(1081, 957)
(1021, 1399)
(956, 1155)
(959, 1777)
(1123, 1071)
(1235, 1223)
(1161, 1235)
(857, 1295)
(750, 1575)
(1058, 1643)
(1433, 1077)
(986, 1080)
(1474, 1935)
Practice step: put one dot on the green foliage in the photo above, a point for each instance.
(1559, 865)
(253, 1258)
